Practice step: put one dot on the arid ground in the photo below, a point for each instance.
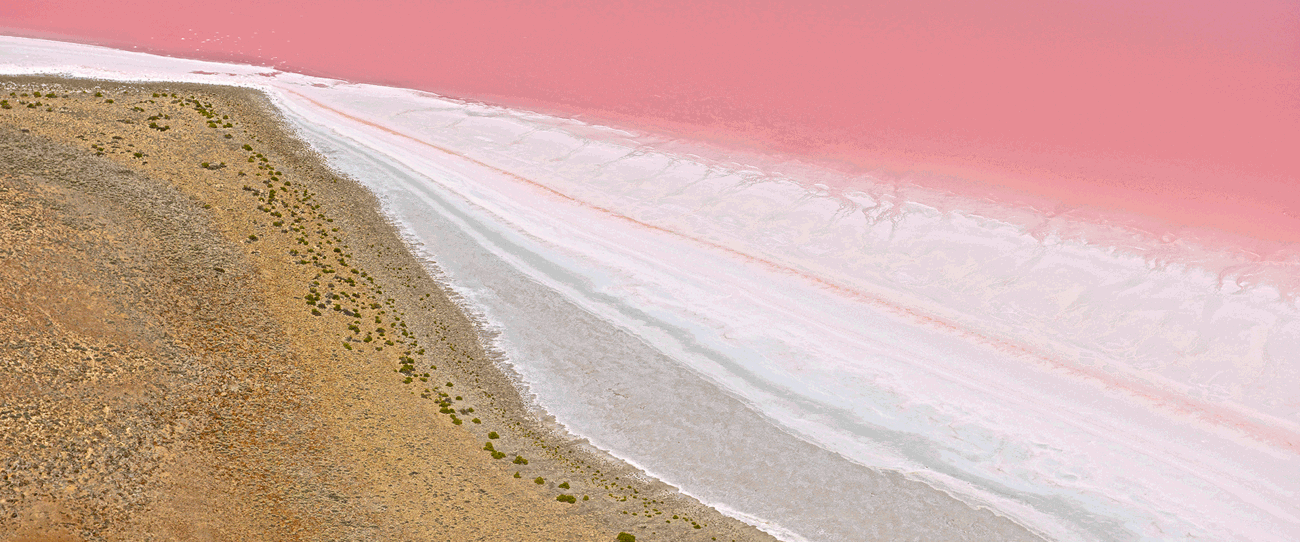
(205, 334)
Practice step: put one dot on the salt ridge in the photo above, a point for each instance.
(1084, 389)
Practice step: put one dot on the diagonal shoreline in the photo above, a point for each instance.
(268, 427)
(1071, 444)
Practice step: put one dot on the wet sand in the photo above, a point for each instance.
(175, 364)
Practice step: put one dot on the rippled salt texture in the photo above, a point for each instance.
(816, 362)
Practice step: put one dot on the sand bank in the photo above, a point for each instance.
(211, 336)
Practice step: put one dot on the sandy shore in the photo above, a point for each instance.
(208, 335)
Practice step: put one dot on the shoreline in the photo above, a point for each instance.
(591, 341)
(327, 368)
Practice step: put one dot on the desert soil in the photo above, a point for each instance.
(206, 334)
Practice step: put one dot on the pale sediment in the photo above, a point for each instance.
(176, 366)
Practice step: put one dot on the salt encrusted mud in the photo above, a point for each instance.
(207, 335)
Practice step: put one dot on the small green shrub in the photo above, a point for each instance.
(625, 537)
(539, 481)
(498, 455)
(567, 498)
(517, 475)
(475, 420)
(565, 485)
(493, 435)
(519, 460)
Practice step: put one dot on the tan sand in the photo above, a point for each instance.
(163, 376)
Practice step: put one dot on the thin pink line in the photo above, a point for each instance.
(1208, 413)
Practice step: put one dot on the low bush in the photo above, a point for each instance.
(567, 498)
(539, 481)
(625, 537)
(493, 435)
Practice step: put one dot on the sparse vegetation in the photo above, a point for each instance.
(299, 217)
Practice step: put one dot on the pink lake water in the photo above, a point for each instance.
(1173, 114)
(1041, 257)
